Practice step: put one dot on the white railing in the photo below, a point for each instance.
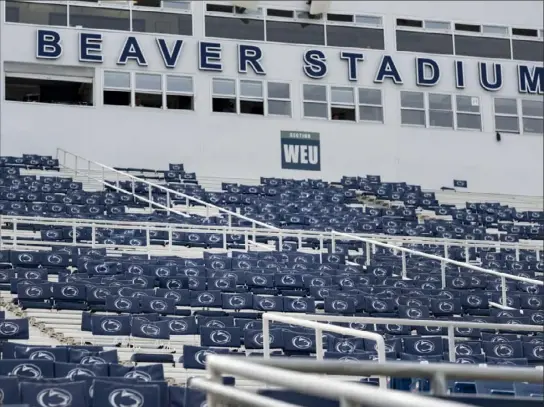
(349, 394)
(319, 329)
(443, 260)
(64, 155)
(253, 232)
(449, 325)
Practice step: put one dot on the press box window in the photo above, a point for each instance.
(251, 97)
(468, 112)
(440, 111)
(532, 112)
(224, 95)
(342, 104)
(179, 92)
(279, 99)
(148, 91)
(48, 89)
(412, 110)
(117, 88)
(370, 105)
(506, 115)
(315, 101)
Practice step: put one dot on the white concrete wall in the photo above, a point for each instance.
(226, 145)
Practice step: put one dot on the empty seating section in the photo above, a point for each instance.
(122, 308)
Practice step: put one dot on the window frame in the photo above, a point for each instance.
(523, 117)
(429, 109)
(516, 116)
(276, 99)
(419, 109)
(457, 111)
(360, 104)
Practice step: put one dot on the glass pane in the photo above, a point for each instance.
(370, 97)
(148, 81)
(224, 87)
(315, 109)
(117, 79)
(507, 123)
(279, 107)
(468, 103)
(440, 118)
(370, 20)
(295, 33)
(484, 47)
(371, 113)
(164, 23)
(439, 102)
(278, 90)
(412, 117)
(494, 29)
(253, 89)
(177, 4)
(528, 50)
(412, 99)
(469, 121)
(342, 95)
(100, 18)
(437, 25)
(506, 106)
(179, 84)
(36, 13)
(355, 37)
(430, 43)
(532, 108)
(315, 92)
(235, 28)
(533, 126)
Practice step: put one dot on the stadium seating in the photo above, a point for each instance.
(137, 315)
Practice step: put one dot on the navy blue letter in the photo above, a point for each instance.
(48, 44)
(424, 65)
(459, 74)
(484, 79)
(132, 50)
(315, 66)
(90, 47)
(250, 55)
(170, 57)
(209, 56)
(530, 80)
(387, 69)
(352, 58)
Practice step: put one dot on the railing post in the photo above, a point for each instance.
(517, 252)
(467, 253)
(74, 234)
(438, 384)
(503, 291)
(321, 246)
(443, 273)
(169, 240)
(246, 240)
(333, 241)
(168, 202)
(75, 166)
(403, 254)
(150, 197)
(318, 344)
(451, 343)
(229, 220)
(266, 337)
(14, 239)
(93, 235)
(367, 252)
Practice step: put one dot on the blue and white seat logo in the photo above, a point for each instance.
(150, 330)
(138, 375)
(474, 300)
(111, 325)
(503, 350)
(162, 272)
(54, 397)
(463, 350)
(92, 360)
(259, 338)
(220, 337)
(69, 291)
(445, 306)
(126, 398)
(301, 342)
(206, 298)
(414, 313)
(9, 328)
(172, 295)
(42, 355)
(237, 301)
(344, 346)
(299, 305)
(122, 303)
(266, 303)
(54, 259)
(80, 371)
(178, 326)
(424, 346)
(158, 305)
(27, 370)
(339, 305)
(34, 291)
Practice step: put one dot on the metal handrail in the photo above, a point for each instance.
(349, 394)
(319, 328)
(152, 185)
(281, 234)
(450, 325)
(443, 261)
